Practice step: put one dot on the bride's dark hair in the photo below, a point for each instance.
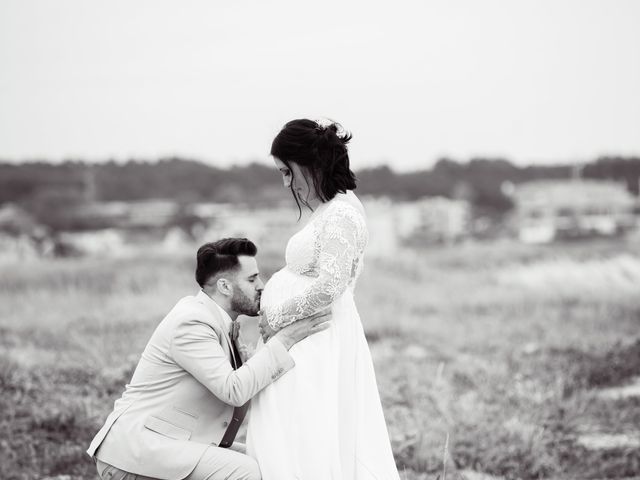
(322, 151)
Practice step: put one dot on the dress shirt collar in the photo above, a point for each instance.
(211, 303)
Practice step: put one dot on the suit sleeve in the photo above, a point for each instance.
(195, 346)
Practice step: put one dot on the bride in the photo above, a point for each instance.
(323, 419)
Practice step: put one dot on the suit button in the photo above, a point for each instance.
(225, 424)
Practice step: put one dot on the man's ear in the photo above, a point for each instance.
(224, 286)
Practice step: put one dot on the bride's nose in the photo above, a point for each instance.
(287, 181)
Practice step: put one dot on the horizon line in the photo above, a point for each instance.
(265, 161)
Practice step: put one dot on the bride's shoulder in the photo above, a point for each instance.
(349, 201)
(347, 206)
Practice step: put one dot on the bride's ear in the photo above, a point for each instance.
(224, 287)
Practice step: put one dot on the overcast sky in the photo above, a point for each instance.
(531, 81)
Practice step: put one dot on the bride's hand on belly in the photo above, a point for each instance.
(301, 329)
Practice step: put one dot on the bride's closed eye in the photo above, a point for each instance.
(286, 176)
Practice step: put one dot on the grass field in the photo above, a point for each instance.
(489, 358)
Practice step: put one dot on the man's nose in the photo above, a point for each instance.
(259, 285)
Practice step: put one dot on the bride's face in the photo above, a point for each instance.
(295, 177)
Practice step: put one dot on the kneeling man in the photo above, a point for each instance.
(179, 415)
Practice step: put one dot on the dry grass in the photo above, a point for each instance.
(498, 348)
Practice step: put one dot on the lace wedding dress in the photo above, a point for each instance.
(323, 419)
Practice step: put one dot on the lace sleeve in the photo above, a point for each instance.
(340, 232)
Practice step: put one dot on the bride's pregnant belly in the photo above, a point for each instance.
(283, 285)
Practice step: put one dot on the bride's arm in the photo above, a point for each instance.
(340, 232)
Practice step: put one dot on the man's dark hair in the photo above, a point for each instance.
(221, 256)
(322, 150)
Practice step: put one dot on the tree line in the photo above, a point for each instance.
(45, 186)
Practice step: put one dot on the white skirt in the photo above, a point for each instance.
(323, 419)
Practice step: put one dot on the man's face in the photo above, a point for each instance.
(247, 287)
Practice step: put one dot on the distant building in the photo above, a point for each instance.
(547, 210)
(428, 220)
(269, 228)
(433, 220)
(152, 213)
(138, 214)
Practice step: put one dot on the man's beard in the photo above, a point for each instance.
(241, 303)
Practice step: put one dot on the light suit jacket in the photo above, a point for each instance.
(182, 393)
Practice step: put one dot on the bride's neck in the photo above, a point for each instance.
(314, 204)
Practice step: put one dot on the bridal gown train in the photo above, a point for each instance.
(323, 419)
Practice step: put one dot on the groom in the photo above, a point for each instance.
(178, 417)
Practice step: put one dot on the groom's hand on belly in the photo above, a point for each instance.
(266, 332)
(301, 329)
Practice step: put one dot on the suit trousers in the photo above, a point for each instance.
(216, 464)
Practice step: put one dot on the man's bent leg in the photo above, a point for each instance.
(216, 464)
(222, 464)
(109, 472)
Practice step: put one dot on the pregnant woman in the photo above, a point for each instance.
(322, 420)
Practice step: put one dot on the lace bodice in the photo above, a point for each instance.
(329, 249)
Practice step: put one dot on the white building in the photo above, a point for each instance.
(425, 221)
(549, 209)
